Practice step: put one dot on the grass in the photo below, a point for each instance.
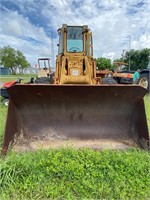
(25, 77)
(147, 109)
(75, 174)
(3, 113)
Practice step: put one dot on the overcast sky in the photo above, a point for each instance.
(117, 25)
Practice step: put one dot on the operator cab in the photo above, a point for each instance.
(75, 39)
(44, 67)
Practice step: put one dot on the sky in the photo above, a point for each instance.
(117, 25)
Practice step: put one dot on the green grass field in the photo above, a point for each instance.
(147, 109)
(75, 174)
(25, 77)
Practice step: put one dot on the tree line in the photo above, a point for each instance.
(135, 59)
(13, 59)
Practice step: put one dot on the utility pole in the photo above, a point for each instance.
(122, 58)
(129, 52)
(123, 54)
(52, 52)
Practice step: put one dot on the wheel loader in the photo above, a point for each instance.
(45, 74)
(79, 108)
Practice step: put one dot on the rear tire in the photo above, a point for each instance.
(144, 81)
(108, 81)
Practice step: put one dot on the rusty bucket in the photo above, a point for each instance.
(40, 112)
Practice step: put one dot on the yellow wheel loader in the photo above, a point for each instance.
(78, 108)
(45, 74)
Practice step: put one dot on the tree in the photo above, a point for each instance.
(138, 58)
(13, 59)
(8, 58)
(144, 54)
(21, 60)
(103, 63)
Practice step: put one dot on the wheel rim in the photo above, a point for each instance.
(6, 102)
(144, 83)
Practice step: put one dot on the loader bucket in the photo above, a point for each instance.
(54, 113)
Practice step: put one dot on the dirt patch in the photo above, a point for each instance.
(32, 145)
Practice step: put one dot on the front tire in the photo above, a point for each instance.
(108, 81)
(144, 81)
(6, 102)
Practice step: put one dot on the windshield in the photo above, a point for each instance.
(74, 39)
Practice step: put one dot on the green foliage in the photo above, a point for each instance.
(8, 57)
(13, 59)
(147, 109)
(138, 58)
(75, 174)
(21, 60)
(103, 63)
